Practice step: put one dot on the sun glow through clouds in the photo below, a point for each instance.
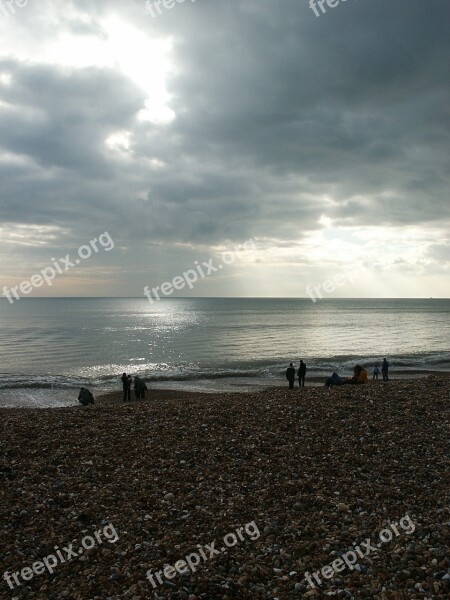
(145, 61)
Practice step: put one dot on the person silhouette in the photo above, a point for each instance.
(85, 397)
(385, 370)
(139, 388)
(290, 375)
(301, 374)
(126, 384)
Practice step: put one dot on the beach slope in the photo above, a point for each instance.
(314, 474)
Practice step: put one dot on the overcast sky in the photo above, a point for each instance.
(324, 139)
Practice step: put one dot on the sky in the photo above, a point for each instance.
(186, 129)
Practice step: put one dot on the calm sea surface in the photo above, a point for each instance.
(62, 344)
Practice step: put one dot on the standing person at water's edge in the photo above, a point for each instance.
(301, 374)
(139, 388)
(385, 370)
(290, 376)
(126, 384)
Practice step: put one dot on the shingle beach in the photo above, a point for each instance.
(317, 472)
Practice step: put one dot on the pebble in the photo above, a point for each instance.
(293, 463)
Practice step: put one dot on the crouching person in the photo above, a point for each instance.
(85, 397)
(335, 379)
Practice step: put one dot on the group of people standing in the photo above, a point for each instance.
(301, 374)
(139, 387)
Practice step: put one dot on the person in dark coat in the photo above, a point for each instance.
(335, 379)
(126, 384)
(85, 397)
(301, 374)
(385, 370)
(290, 376)
(139, 388)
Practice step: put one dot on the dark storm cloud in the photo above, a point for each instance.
(59, 117)
(282, 117)
(354, 101)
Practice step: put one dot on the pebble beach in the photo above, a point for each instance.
(317, 471)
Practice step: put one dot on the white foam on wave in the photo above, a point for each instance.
(37, 398)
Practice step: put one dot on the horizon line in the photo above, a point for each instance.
(232, 298)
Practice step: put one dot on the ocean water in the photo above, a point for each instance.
(49, 348)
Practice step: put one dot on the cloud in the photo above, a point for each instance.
(217, 122)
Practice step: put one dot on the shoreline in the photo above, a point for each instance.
(179, 394)
(29, 398)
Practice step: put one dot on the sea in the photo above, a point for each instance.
(50, 347)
